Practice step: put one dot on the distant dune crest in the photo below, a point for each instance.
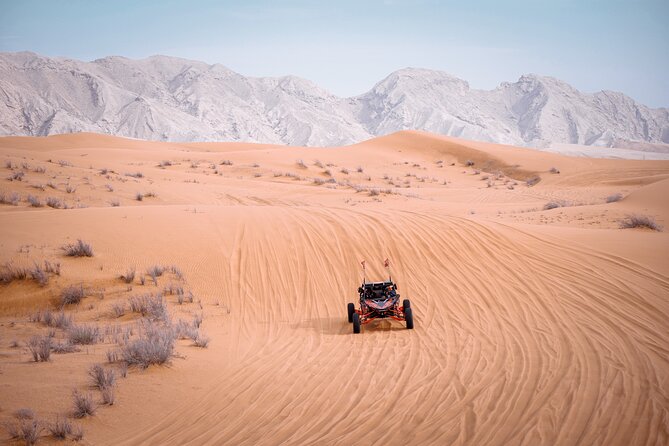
(167, 98)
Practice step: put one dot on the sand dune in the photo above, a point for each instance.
(533, 326)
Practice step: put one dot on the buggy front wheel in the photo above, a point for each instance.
(408, 316)
(356, 323)
(406, 304)
(351, 311)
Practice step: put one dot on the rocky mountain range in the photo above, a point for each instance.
(167, 98)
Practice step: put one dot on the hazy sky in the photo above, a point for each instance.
(347, 46)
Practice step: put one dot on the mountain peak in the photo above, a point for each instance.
(186, 100)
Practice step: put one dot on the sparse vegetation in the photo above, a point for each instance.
(70, 189)
(155, 345)
(300, 164)
(613, 198)
(226, 163)
(533, 181)
(115, 203)
(118, 309)
(554, 170)
(83, 334)
(26, 430)
(60, 428)
(101, 377)
(151, 306)
(554, 204)
(55, 203)
(72, 295)
(360, 169)
(83, 404)
(16, 176)
(640, 221)
(129, 275)
(34, 201)
(40, 348)
(12, 198)
(201, 341)
(78, 249)
(139, 196)
(135, 175)
(469, 163)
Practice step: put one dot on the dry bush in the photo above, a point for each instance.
(556, 204)
(155, 345)
(34, 201)
(613, 198)
(64, 347)
(16, 176)
(108, 395)
(469, 163)
(83, 334)
(83, 404)
(344, 170)
(360, 169)
(135, 175)
(201, 341)
(27, 431)
(139, 196)
(639, 221)
(24, 414)
(115, 203)
(12, 198)
(40, 348)
(102, 377)
(374, 192)
(129, 275)
(149, 305)
(60, 428)
(533, 181)
(226, 163)
(70, 189)
(72, 295)
(118, 308)
(78, 249)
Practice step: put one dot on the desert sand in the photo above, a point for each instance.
(533, 326)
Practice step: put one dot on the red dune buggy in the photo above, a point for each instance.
(379, 300)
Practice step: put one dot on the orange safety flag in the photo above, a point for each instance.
(363, 264)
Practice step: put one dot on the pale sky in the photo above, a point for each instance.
(348, 46)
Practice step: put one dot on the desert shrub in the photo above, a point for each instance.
(112, 356)
(108, 395)
(118, 309)
(613, 198)
(226, 163)
(201, 341)
(155, 271)
(16, 176)
(139, 196)
(639, 221)
(60, 428)
(151, 306)
(34, 201)
(83, 404)
(165, 163)
(78, 249)
(27, 431)
(533, 180)
(155, 345)
(70, 189)
(319, 181)
(83, 334)
(63, 163)
(150, 195)
(10, 273)
(374, 192)
(360, 169)
(115, 203)
(64, 347)
(135, 175)
(39, 275)
(109, 188)
(71, 295)
(24, 414)
(40, 348)
(554, 170)
(300, 163)
(556, 204)
(344, 170)
(102, 377)
(469, 163)
(11, 198)
(77, 433)
(129, 275)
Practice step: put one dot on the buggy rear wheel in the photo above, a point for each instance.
(408, 316)
(356, 323)
(351, 311)
(406, 304)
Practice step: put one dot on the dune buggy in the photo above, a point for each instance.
(379, 300)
